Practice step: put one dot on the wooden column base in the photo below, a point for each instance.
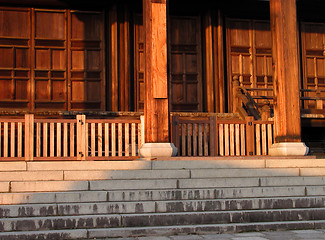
(289, 149)
(158, 150)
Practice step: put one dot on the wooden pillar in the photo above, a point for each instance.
(156, 92)
(285, 71)
(156, 95)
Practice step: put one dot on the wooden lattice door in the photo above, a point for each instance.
(249, 56)
(51, 59)
(185, 79)
(313, 59)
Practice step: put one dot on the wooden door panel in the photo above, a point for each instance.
(249, 47)
(14, 60)
(185, 64)
(87, 76)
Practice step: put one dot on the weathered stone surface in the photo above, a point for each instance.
(133, 184)
(126, 174)
(42, 235)
(49, 186)
(218, 183)
(209, 163)
(13, 166)
(292, 181)
(259, 172)
(4, 187)
(61, 223)
(31, 176)
(88, 165)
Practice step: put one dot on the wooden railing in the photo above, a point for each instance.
(313, 98)
(69, 139)
(213, 137)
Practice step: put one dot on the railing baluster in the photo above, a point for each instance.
(12, 139)
(189, 140)
(127, 139)
(237, 139)
(58, 139)
(200, 140)
(65, 139)
(194, 139)
(269, 136)
(221, 140)
(93, 137)
(120, 139)
(106, 139)
(258, 138)
(0, 138)
(226, 139)
(242, 140)
(45, 139)
(133, 140)
(72, 139)
(100, 139)
(206, 146)
(51, 139)
(264, 142)
(19, 139)
(113, 140)
(183, 140)
(38, 139)
(232, 139)
(5, 140)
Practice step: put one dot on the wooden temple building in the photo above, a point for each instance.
(173, 61)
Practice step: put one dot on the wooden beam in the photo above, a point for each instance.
(286, 70)
(156, 97)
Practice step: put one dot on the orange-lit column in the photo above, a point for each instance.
(156, 83)
(286, 79)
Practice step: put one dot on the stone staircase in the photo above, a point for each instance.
(107, 199)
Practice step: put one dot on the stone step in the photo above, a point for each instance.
(48, 235)
(103, 233)
(93, 208)
(201, 229)
(68, 175)
(158, 219)
(156, 195)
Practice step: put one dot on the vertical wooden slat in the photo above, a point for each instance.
(200, 140)
(264, 141)
(0, 138)
(45, 139)
(113, 139)
(87, 140)
(226, 139)
(127, 139)
(206, 145)
(194, 139)
(5, 139)
(38, 139)
(133, 140)
(175, 133)
(269, 136)
(29, 137)
(258, 138)
(120, 138)
(100, 139)
(72, 137)
(58, 139)
(189, 139)
(250, 136)
(81, 138)
(221, 140)
(237, 139)
(92, 139)
(12, 139)
(52, 139)
(212, 136)
(65, 139)
(242, 140)
(232, 139)
(141, 133)
(106, 139)
(19, 140)
(183, 140)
